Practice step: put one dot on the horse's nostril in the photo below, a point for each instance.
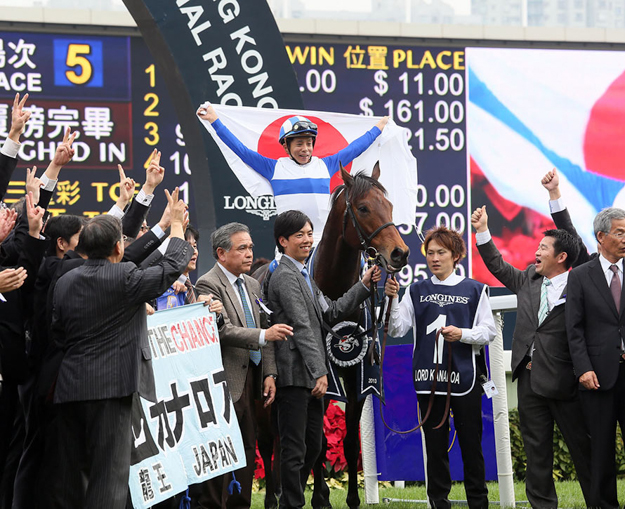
(399, 256)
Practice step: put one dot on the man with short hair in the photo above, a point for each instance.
(547, 386)
(247, 352)
(99, 315)
(302, 361)
(595, 324)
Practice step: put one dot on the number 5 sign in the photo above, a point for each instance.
(77, 62)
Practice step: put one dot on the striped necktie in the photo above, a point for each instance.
(543, 310)
(255, 355)
(190, 297)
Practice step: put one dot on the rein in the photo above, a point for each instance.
(432, 391)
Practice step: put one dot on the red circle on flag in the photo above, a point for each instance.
(605, 133)
(329, 142)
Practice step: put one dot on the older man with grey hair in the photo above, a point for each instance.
(595, 325)
(247, 352)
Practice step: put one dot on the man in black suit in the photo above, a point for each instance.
(99, 311)
(595, 325)
(547, 387)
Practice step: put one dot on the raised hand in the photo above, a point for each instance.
(382, 123)
(207, 112)
(12, 279)
(19, 117)
(65, 152)
(33, 184)
(479, 219)
(126, 188)
(176, 206)
(7, 222)
(35, 216)
(551, 182)
(155, 173)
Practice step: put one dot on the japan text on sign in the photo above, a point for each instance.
(190, 433)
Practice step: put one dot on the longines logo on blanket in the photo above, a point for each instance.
(443, 300)
(263, 206)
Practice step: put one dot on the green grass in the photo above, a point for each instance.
(569, 495)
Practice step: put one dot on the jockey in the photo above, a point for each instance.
(299, 181)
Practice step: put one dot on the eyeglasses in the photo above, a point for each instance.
(303, 126)
(125, 238)
(618, 235)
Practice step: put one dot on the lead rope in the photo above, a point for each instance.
(432, 391)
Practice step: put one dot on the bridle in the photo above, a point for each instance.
(365, 240)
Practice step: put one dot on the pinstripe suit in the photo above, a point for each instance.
(99, 312)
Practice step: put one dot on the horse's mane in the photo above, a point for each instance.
(361, 185)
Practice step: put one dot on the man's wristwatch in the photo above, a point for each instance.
(272, 376)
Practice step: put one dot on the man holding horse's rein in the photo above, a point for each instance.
(452, 320)
(299, 181)
(302, 361)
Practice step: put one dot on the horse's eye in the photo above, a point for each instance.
(363, 209)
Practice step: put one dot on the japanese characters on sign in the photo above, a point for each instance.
(190, 433)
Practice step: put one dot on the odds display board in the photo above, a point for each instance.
(106, 88)
(420, 88)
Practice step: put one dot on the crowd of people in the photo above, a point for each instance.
(75, 356)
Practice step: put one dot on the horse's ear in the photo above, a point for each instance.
(375, 174)
(347, 178)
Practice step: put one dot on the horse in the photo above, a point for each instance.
(360, 219)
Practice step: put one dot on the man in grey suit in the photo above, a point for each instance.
(302, 369)
(99, 318)
(547, 386)
(247, 352)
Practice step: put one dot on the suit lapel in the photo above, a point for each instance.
(598, 278)
(230, 292)
(303, 285)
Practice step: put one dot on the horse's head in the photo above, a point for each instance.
(368, 218)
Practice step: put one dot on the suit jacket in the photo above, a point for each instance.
(7, 166)
(595, 327)
(563, 221)
(235, 338)
(16, 311)
(302, 358)
(552, 369)
(99, 312)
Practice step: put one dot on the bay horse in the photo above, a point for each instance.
(360, 220)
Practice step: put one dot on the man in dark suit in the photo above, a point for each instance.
(595, 325)
(99, 311)
(302, 363)
(246, 349)
(547, 387)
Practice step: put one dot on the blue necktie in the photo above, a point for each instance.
(307, 278)
(255, 355)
